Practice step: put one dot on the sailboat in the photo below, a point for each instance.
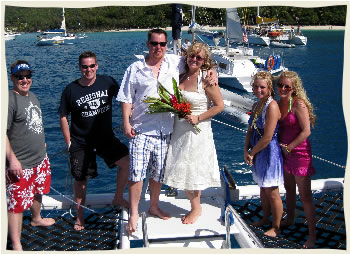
(236, 66)
(63, 38)
(268, 30)
(258, 35)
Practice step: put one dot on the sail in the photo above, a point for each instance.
(261, 20)
(233, 25)
(62, 29)
(63, 26)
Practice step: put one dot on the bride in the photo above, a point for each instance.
(191, 162)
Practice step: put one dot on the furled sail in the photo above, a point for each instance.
(176, 26)
(233, 25)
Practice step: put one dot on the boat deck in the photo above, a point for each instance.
(100, 233)
(105, 226)
(330, 223)
(174, 233)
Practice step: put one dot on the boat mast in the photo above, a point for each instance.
(63, 26)
(193, 20)
(176, 26)
(227, 40)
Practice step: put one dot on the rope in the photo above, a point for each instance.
(71, 200)
(330, 162)
(313, 156)
(234, 127)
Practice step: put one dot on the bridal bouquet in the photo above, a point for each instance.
(168, 102)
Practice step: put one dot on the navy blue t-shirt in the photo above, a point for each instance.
(90, 108)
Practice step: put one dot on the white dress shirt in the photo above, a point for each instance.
(139, 83)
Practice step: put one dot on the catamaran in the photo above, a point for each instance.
(268, 30)
(227, 214)
(236, 65)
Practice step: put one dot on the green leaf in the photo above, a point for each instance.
(176, 91)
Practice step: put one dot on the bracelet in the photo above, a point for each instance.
(287, 149)
(198, 118)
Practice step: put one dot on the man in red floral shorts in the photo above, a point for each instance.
(28, 173)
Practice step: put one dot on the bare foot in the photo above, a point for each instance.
(79, 223)
(310, 243)
(192, 216)
(131, 226)
(273, 232)
(120, 202)
(286, 223)
(78, 227)
(159, 213)
(261, 222)
(43, 222)
(17, 247)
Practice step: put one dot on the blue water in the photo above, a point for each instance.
(320, 65)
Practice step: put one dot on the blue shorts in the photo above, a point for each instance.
(148, 152)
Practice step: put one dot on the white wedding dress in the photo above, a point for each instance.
(191, 162)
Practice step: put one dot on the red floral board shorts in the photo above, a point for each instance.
(21, 190)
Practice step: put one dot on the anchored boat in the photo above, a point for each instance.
(236, 65)
(63, 39)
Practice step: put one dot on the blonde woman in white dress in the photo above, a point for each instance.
(191, 162)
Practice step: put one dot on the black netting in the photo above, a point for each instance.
(330, 227)
(100, 233)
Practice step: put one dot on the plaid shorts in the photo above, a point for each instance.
(147, 152)
(21, 190)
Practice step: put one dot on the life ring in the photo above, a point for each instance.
(270, 62)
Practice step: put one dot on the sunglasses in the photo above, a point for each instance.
(198, 58)
(287, 87)
(83, 66)
(155, 43)
(21, 77)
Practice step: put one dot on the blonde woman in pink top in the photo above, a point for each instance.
(296, 117)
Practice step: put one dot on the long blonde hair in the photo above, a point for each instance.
(299, 92)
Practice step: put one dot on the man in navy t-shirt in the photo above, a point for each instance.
(89, 101)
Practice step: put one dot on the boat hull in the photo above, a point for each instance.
(276, 44)
(237, 70)
(258, 40)
(58, 41)
(295, 39)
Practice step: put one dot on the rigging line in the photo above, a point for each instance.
(330, 162)
(313, 156)
(234, 127)
(71, 200)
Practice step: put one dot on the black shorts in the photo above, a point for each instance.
(83, 157)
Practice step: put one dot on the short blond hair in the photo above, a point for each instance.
(197, 47)
(264, 75)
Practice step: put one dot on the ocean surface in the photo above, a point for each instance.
(319, 64)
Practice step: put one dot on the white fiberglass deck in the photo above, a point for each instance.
(207, 232)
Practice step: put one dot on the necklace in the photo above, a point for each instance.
(257, 113)
(193, 74)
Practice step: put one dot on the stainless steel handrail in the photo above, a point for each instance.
(144, 230)
(255, 240)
